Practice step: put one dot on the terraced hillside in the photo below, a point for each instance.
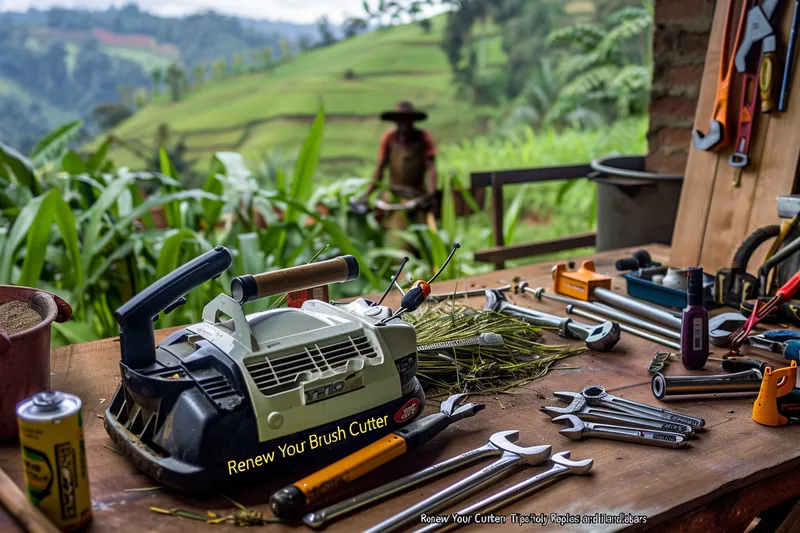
(356, 79)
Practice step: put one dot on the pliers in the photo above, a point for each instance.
(785, 342)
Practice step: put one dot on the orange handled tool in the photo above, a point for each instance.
(718, 136)
(302, 496)
(778, 400)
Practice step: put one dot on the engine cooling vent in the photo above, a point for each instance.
(278, 375)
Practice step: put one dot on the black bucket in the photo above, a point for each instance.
(633, 207)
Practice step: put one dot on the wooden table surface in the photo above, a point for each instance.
(730, 473)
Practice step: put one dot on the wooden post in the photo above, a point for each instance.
(497, 217)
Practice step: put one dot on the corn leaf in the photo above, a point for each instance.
(55, 144)
(17, 167)
(305, 170)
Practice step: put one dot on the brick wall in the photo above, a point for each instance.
(679, 51)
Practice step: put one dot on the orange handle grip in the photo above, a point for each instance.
(351, 467)
(766, 78)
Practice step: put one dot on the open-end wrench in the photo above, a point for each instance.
(513, 455)
(320, 517)
(601, 338)
(597, 395)
(581, 408)
(294, 500)
(603, 310)
(465, 294)
(579, 429)
(562, 466)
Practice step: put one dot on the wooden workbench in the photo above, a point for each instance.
(730, 474)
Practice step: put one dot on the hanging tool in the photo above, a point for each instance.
(782, 295)
(586, 284)
(778, 402)
(718, 136)
(597, 395)
(745, 381)
(788, 66)
(484, 339)
(600, 338)
(562, 466)
(296, 499)
(578, 429)
(627, 329)
(493, 448)
(733, 285)
(785, 342)
(758, 30)
(609, 312)
(512, 456)
(581, 408)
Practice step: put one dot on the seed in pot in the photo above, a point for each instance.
(17, 316)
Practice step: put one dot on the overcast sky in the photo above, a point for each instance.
(287, 10)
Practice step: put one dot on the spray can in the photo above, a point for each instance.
(54, 456)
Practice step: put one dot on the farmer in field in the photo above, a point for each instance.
(409, 154)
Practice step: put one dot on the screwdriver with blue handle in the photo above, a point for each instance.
(785, 342)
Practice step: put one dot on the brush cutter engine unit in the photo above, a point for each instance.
(241, 395)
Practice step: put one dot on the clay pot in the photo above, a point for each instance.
(25, 356)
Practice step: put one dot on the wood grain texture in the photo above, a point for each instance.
(734, 455)
(701, 167)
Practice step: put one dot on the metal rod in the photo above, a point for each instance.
(634, 306)
(746, 381)
(466, 294)
(633, 331)
(608, 312)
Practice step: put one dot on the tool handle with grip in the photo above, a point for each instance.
(745, 251)
(766, 77)
(737, 364)
(448, 496)
(789, 289)
(293, 501)
(252, 287)
(135, 317)
(320, 517)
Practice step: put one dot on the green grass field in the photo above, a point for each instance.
(261, 112)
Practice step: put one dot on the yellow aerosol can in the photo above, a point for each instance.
(54, 456)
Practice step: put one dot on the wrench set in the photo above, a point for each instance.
(595, 413)
(508, 456)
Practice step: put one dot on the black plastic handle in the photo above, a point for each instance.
(135, 317)
(751, 243)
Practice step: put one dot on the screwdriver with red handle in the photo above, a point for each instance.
(760, 312)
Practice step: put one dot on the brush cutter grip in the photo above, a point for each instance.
(135, 317)
(337, 270)
(296, 499)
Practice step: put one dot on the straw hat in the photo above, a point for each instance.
(404, 111)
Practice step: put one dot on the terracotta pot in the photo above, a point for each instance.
(25, 356)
